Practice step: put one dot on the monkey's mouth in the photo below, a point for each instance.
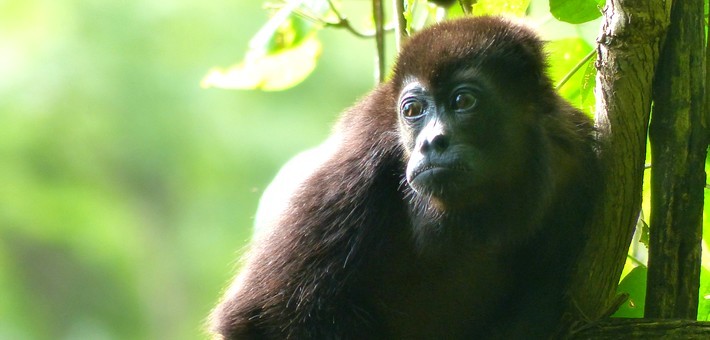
(438, 172)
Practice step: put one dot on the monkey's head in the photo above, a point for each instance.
(470, 94)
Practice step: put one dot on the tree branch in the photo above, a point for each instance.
(576, 68)
(619, 328)
(378, 15)
(400, 27)
(343, 22)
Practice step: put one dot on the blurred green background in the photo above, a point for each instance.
(126, 190)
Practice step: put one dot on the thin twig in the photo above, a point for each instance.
(343, 22)
(400, 27)
(636, 261)
(467, 5)
(378, 16)
(575, 69)
(335, 9)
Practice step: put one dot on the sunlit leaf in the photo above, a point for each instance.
(633, 284)
(286, 29)
(409, 14)
(455, 12)
(497, 7)
(576, 11)
(443, 3)
(704, 303)
(645, 233)
(269, 73)
(586, 91)
(281, 54)
(565, 55)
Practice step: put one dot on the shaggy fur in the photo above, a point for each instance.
(360, 255)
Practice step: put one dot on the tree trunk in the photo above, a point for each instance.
(628, 52)
(678, 150)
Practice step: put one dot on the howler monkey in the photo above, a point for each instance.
(453, 205)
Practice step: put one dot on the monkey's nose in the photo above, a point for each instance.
(437, 143)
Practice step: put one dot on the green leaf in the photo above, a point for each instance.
(274, 72)
(497, 7)
(704, 303)
(564, 55)
(633, 284)
(284, 30)
(455, 12)
(409, 15)
(586, 91)
(576, 11)
(443, 3)
(281, 54)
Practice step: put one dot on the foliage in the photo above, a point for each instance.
(125, 188)
(282, 54)
(634, 284)
(285, 51)
(577, 11)
(571, 64)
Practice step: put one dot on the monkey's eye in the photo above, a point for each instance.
(464, 101)
(412, 109)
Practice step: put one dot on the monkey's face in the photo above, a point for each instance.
(471, 101)
(464, 138)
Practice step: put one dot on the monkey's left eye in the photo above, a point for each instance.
(464, 101)
(412, 109)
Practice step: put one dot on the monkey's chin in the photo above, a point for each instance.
(446, 188)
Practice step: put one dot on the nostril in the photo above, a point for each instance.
(440, 142)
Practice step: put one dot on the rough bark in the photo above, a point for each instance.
(644, 329)
(678, 150)
(628, 51)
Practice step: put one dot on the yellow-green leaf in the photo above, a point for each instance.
(281, 54)
(576, 11)
(286, 29)
(496, 7)
(272, 72)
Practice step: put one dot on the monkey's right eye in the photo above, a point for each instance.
(412, 109)
(465, 101)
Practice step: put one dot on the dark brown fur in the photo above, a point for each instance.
(359, 255)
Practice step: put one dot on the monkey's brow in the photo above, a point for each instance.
(412, 83)
(466, 74)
